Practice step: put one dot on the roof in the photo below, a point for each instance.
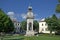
(42, 20)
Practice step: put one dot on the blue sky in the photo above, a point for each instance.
(41, 8)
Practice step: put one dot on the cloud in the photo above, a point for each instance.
(36, 19)
(23, 16)
(10, 13)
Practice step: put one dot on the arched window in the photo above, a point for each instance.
(42, 24)
(30, 24)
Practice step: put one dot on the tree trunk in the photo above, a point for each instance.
(50, 32)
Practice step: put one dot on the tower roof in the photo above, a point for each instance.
(30, 13)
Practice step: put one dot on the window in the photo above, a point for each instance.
(18, 24)
(42, 24)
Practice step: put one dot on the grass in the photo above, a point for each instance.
(40, 37)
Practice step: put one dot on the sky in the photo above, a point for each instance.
(19, 8)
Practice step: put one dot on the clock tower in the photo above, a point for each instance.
(30, 18)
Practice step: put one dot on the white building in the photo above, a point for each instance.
(17, 26)
(16, 23)
(43, 27)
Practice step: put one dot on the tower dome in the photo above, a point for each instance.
(30, 8)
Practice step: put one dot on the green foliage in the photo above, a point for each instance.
(35, 25)
(59, 1)
(58, 25)
(6, 24)
(53, 23)
(58, 8)
(23, 25)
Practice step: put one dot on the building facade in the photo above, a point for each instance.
(17, 26)
(43, 27)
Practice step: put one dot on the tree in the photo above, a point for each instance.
(58, 27)
(23, 25)
(53, 24)
(6, 24)
(59, 1)
(35, 25)
(58, 11)
(58, 7)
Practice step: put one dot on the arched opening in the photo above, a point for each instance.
(30, 26)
